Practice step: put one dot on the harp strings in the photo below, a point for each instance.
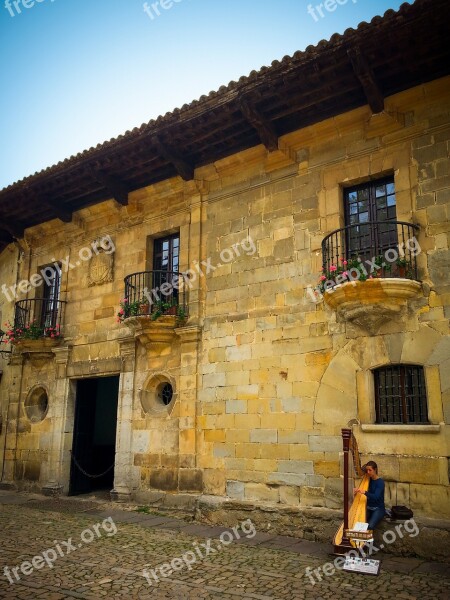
(355, 457)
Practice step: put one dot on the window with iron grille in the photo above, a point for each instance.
(400, 395)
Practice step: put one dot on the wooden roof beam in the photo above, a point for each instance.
(14, 229)
(61, 213)
(364, 73)
(264, 128)
(184, 169)
(114, 186)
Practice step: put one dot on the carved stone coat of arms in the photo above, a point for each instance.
(100, 269)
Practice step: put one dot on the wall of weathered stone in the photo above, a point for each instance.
(264, 377)
(281, 374)
(8, 269)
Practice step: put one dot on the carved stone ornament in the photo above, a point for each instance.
(100, 268)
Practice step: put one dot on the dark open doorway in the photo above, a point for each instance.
(94, 435)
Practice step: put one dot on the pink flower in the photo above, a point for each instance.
(322, 278)
(345, 274)
(344, 262)
(333, 268)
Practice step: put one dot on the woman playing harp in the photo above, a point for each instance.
(375, 495)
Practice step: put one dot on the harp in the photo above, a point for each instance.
(357, 511)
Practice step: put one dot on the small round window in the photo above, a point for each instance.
(159, 394)
(36, 404)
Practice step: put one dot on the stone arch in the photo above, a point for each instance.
(337, 398)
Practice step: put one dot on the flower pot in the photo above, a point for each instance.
(144, 309)
(171, 311)
(401, 270)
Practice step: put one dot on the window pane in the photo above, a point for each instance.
(391, 200)
(380, 191)
(381, 202)
(363, 206)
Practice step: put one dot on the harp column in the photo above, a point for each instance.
(345, 544)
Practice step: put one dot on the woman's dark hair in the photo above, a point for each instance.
(372, 464)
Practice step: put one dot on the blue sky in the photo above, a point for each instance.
(74, 73)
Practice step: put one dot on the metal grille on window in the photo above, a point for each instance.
(400, 395)
(167, 393)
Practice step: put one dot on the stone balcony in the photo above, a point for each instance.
(367, 287)
(155, 305)
(38, 328)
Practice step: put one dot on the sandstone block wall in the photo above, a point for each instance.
(264, 377)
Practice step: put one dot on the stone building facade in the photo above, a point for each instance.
(261, 370)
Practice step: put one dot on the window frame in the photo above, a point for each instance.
(406, 390)
(377, 239)
(49, 302)
(158, 252)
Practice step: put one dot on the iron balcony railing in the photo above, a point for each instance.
(392, 245)
(43, 315)
(148, 292)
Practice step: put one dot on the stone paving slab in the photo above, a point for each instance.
(273, 568)
(282, 540)
(310, 548)
(433, 567)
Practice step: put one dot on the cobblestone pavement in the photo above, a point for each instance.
(109, 565)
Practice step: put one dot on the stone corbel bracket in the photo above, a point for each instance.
(156, 336)
(38, 352)
(369, 304)
(38, 359)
